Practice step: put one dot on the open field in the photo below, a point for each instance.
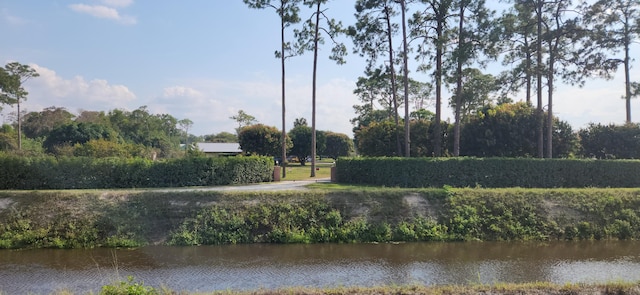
(295, 171)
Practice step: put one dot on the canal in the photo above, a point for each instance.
(245, 267)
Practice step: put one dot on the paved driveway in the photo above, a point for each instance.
(268, 186)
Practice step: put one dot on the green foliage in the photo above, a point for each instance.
(157, 131)
(261, 140)
(104, 148)
(308, 221)
(509, 130)
(301, 139)
(128, 287)
(39, 124)
(64, 220)
(337, 145)
(611, 141)
(63, 231)
(221, 137)
(488, 172)
(379, 138)
(84, 172)
(12, 78)
(76, 133)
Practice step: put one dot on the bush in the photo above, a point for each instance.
(91, 173)
(488, 172)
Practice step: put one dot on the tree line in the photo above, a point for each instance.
(540, 43)
(117, 133)
(259, 139)
(503, 130)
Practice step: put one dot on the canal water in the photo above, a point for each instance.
(246, 267)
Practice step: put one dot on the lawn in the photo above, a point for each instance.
(295, 171)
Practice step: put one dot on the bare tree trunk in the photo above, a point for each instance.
(458, 98)
(283, 159)
(550, 106)
(627, 80)
(19, 126)
(394, 94)
(528, 70)
(540, 112)
(437, 130)
(313, 96)
(407, 132)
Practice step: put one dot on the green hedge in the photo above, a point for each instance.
(488, 172)
(88, 173)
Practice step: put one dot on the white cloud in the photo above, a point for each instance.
(117, 3)
(105, 12)
(75, 93)
(180, 91)
(12, 19)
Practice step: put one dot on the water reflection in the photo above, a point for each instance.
(209, 268)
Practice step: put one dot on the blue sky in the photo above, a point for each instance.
(204, 60)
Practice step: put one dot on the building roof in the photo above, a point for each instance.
(219, 147)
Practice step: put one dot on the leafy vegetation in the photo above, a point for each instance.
(488, 172)
(84, 172)
(325, 215)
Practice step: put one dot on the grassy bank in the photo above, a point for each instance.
(329, 213)
(131, 287)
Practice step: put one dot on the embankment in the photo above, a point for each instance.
(94, 218)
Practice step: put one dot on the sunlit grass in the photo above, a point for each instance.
(295, 171)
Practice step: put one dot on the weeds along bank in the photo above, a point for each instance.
(131, 287)
(73, 219)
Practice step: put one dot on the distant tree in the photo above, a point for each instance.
(39, 124)
(373, 37)
(12, 79)
(8, 138)
(309, 39)
(378, 139)
(431, 25)
(337, 145)
(185, 125)
(6, 82)
(509, 130)
(301, 138)
(261, 140)
(92, 117)
(374, 139)
(243, 119)
(475, 92)
(615, 27)
(76, 133)
(422, 114)
(102, 148)
(473, 38)
(288, 11)
(221, 137)
(157, 131)
(422, 136)
(300, 122)
(610, 141)
(518, 33)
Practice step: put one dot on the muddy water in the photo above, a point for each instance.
(209, 268)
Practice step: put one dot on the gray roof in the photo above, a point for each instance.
(219, 147)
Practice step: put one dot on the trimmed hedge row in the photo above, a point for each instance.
(89, 173)
(488, 172)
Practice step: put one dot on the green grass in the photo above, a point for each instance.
(132, 287)
(295, 171)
